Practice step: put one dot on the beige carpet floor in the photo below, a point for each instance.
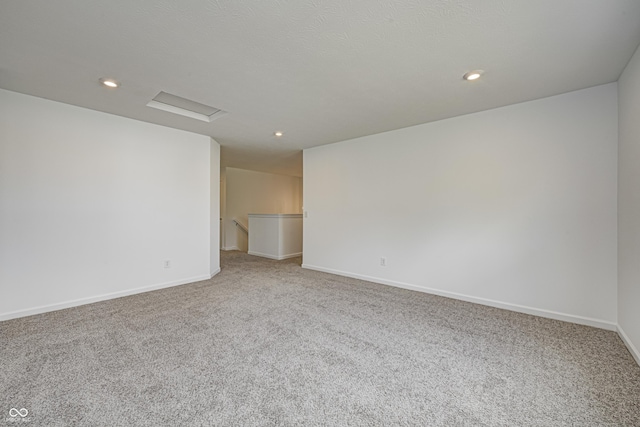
(268, 343)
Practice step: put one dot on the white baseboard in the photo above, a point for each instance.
(281, 257)
(103, 297)
(214, 272)
(632, 349)
(230, 248)
(602, 324)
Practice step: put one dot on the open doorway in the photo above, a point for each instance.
(245, 192)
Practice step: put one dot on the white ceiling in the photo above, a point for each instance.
(322, 71)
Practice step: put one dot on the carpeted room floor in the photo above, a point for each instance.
(268, 343)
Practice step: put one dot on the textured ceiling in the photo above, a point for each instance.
(321, 71)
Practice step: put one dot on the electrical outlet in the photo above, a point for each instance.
(383, 261)
(167, 264)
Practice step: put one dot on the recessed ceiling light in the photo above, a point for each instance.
(473, 75)
(109, 83)
(278, 134)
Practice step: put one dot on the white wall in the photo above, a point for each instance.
(214, 208)
(92, 204)
(223, 205)
(260, 193)
(513, 207)
(275, 236)
(629, 206)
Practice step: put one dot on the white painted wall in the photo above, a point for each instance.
(92, 204)
(223, 204)
(214, 207)
(629, 206)
(275, 236)
(256, 192)
(513, 207)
